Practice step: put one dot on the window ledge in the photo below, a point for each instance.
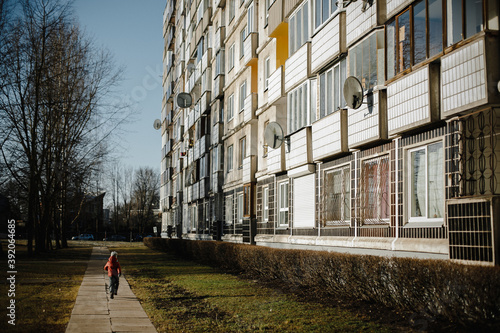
(426, 224)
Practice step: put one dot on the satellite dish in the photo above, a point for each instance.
(184, 100)
(353, 92)
(157, 124)
(273, 135)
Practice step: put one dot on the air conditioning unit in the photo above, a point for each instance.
(473, 230)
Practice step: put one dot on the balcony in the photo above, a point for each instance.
(203, 187)
(250, 47)
(249, 169)
(195, 188)
(218, 89)
(217, 131)
(168, 146)
(300, 152)
(276, 159)
(206, 82)
(219, 37)
(217, 181)
(466, 81)
(196, 150)
(296, 72)
(329, 135)
(168, 16)
(206, 60)
(170, 37)
(250, 107)
(368, 124)
(276, 85)
(413, 100)
(276, 22)
(205, 100)
(203, 146)
(328, 43)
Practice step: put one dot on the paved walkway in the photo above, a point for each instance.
(94, 311)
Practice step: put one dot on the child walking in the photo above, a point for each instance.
(114, 272)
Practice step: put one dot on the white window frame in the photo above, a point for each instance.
(230, 158)
(229, 210)
(265, 203)
(250, 18)
(243, 144)
(378, 219)
(230, 107)
(424, 218)
(267, 72)
(345, 196)
(333, 89)
(332, 8)
(283, 205)
(243, 95)
(299, 107)
(240, 207)
(231, 58)
(298, 30)
(243, 36)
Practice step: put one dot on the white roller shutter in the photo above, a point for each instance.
(303, 202)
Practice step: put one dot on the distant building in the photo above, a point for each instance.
(415, 170)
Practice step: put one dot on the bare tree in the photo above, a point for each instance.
(54, 118)
(146, 196)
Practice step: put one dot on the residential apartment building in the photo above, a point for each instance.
(414, 169)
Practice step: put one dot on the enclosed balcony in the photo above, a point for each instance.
(250, 47)
(300, 149)
(276, 91)
(329, 135)
(250, 107)
(368, 124)
(413, 100)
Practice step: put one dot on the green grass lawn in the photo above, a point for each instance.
(182, 296)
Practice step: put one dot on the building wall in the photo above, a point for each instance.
(360, 171)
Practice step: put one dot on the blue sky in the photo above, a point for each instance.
(132, 31)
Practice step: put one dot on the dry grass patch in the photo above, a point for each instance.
(183, 296)
(46, 288)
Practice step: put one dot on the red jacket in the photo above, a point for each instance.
(113, 266)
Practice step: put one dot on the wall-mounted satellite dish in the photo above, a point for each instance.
(353, 92)
(184, 100)
(157, 124)
(273, 135)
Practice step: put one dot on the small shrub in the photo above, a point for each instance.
(459, 293)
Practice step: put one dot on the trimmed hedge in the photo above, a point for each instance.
(460, 293)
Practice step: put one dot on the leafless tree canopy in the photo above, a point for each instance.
(54, 116)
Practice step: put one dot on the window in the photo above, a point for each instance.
(243, 95)
(324, 9)
(265, 204)
(298, 29)
(229, 209)
(230, 158)
(299, 112)
(240, 208)
(331, 96)
(215, 159)
(337, 197)
(266, 12)
(230, 107)
(250, 18)
(247, 209)
(283, 205)
(219, 62)
(472, 16)
(375, 190)
(231, 10)
(267, 72)
(231, 57)
(366, 61)
(242, 151)
(414, 36)
(426, 183)
(243, 35)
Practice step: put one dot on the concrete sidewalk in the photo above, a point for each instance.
(94, 311)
